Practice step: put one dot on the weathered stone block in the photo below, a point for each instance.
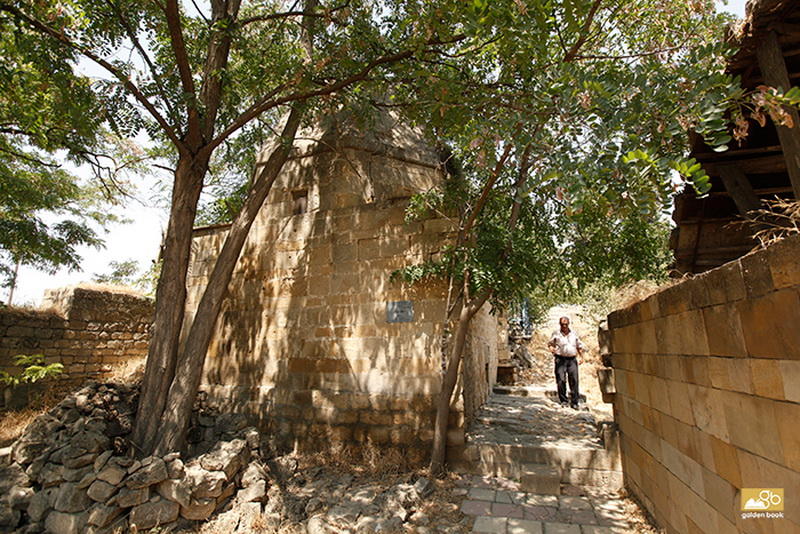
(177, 491)
(204, 483)
(198, 509)
(112, 474)
(683, 467)
(755, 427)
(730, 373)
(726, 461)
(147, 475)
(769, 325)
(676, 299)
(724, 331)
(659, 396)
(767, 378)
(101, 515)
(682, 333)
(679, 402)
(725, 284)
(695, 369)
(782, 258)
(128, 497)
(71, 499)
(709, 411)
(787, 416)
(790, 374)
(720, 494)
(100, 491)
(154, 513)
(64, 523)
(757, 275)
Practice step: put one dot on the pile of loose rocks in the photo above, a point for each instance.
(71, 470)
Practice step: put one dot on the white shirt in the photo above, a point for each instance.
(566, 345)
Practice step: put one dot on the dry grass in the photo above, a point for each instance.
(368, 460)
(632, 293)
(110, 288)
(14, 422)
(779, 219)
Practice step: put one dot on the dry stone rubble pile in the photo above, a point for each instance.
(72, 470)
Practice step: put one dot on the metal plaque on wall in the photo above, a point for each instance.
(400, 311)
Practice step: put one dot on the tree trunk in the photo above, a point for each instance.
(468, 311)
(183, 390)
(170, 302)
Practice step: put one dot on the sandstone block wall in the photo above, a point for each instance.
(708, 393)
(86, 330)
(304, 343)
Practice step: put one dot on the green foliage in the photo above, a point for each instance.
(122, 273)
(33, 369)
(46, 212)
(127, 273)
(603, 114)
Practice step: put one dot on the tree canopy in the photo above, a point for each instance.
(48, 114)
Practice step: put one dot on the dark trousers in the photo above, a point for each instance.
(567, 368)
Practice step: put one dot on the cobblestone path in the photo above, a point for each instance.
(500, 507)
(509, 433)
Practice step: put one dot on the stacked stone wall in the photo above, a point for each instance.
(86, 330)
(305, 342)
(707, 376)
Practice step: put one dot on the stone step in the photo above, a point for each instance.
(540, 479)
(576, 466)
(560, 456)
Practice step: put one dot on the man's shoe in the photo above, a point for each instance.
(574, 406)
(562, 404)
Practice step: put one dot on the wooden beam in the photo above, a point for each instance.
(773, 67)
(762, 165)
(735, 153)
(739, 188)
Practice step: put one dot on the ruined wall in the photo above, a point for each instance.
(708, 393)
(304, 342)
(86, 330)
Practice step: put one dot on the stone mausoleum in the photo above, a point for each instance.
(315, 340)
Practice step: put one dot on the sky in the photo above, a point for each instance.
(139, 240)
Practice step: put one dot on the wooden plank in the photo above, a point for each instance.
(773, 67)
(739, 188)
(759, 191)
(735, 153)
(762, 165)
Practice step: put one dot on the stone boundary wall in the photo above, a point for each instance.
(707, 376)
(87, 330)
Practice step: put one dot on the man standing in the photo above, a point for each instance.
(566, 347)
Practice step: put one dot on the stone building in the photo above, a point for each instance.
(315, 341)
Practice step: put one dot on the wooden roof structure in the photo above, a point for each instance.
(765, 165)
